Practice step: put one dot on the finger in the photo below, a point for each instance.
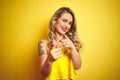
(67, 46)
(66, 37)
(59, 44)
(57, 55)
(57, 49)
(65, 40)
(60, 55)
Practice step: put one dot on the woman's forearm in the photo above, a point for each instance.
(76, 59)
(46, 69)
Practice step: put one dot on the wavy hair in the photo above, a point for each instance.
(72, 33)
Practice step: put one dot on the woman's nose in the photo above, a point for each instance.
(67, 25)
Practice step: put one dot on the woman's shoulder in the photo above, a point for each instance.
(44, 42)
(42, 46)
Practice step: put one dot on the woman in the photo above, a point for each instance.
(59, 53)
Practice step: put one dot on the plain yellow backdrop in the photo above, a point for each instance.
(25, 22)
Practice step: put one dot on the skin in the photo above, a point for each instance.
(62, 25)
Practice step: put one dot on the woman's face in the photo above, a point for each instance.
(63, 24)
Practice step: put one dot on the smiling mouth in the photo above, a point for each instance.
(64, 29)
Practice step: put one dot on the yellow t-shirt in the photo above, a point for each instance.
(62, 68)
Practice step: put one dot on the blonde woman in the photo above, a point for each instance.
(60, 52)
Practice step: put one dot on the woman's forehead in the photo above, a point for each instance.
(67, 16)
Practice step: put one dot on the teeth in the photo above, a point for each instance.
(64, 28)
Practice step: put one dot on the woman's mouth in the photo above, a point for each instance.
(64, 29)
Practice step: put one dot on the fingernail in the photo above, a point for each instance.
(52, 44)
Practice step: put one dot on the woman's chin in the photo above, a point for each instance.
(62, 33)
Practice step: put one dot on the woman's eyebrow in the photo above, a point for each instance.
(67, 19)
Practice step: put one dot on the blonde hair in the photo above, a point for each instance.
(72, 33)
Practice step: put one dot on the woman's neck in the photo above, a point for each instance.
(58, 37)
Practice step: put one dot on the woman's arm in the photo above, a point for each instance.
(47, 58)
(45, 64)
(75, 56)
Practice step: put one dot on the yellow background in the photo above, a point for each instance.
(25, 22)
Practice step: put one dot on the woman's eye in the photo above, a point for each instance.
(70, 23)
(64, 20)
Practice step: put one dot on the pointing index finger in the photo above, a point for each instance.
(65, 36)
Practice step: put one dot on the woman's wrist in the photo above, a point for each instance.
(49, 61)
(73, 47)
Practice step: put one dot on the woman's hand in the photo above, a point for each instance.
(75, 56)
(67, 43)
(55, 52)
